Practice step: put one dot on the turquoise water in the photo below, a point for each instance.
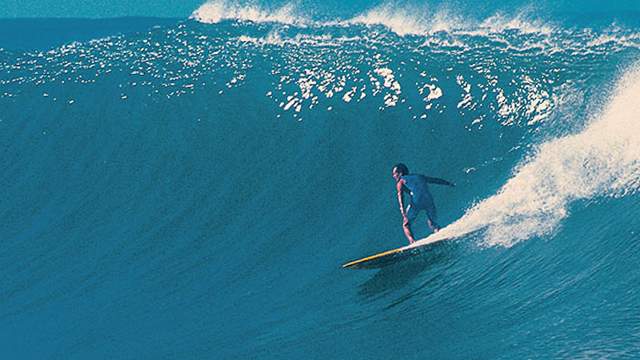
(190, 191)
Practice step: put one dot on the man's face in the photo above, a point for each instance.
(396, 175)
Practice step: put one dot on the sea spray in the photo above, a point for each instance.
(601, 160)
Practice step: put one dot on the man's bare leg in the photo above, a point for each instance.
(407, 231)
(433, 226)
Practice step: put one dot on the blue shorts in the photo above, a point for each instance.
(413, 210)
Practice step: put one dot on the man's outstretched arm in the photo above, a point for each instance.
(439, 181)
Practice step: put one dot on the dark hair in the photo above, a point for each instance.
(402, 168)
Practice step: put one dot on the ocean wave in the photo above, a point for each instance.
(156, 162)
(522, 31)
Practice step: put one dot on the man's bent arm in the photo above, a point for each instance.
(400, 198)
(406, 226)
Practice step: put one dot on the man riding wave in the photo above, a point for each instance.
(415, 185)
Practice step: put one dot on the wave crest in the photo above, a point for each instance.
(500, 23)
(417, 21)
(408, 21)
(215, 11)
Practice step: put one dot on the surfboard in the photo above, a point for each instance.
(390, 256)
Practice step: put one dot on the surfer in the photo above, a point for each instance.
(420, 198)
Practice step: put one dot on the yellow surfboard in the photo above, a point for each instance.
(385, 258)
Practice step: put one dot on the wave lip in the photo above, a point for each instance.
(407, 21)
(419, 21)
(215, 11)
(399, 21)
(500, 23)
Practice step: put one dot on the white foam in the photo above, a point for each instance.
(409, 21)
(602, 160)
(398, 20)
(499, 23)
(625, 40)
(434, 92)
(215, 11)
(274, 38)
(421, 21)
(390, 99)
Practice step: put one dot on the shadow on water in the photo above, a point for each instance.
(405, 269)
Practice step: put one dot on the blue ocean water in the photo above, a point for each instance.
(190, 190)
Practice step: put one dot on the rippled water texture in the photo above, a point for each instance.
(190, 191)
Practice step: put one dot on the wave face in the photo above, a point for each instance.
(191, 191)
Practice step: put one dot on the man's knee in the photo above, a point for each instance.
(407, 224)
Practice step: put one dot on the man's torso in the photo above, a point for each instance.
(417, 187)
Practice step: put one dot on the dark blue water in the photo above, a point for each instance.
(42, 34)
(190, 191)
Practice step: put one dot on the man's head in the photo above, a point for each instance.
(399, 170)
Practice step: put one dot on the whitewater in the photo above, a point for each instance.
(189, 188)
